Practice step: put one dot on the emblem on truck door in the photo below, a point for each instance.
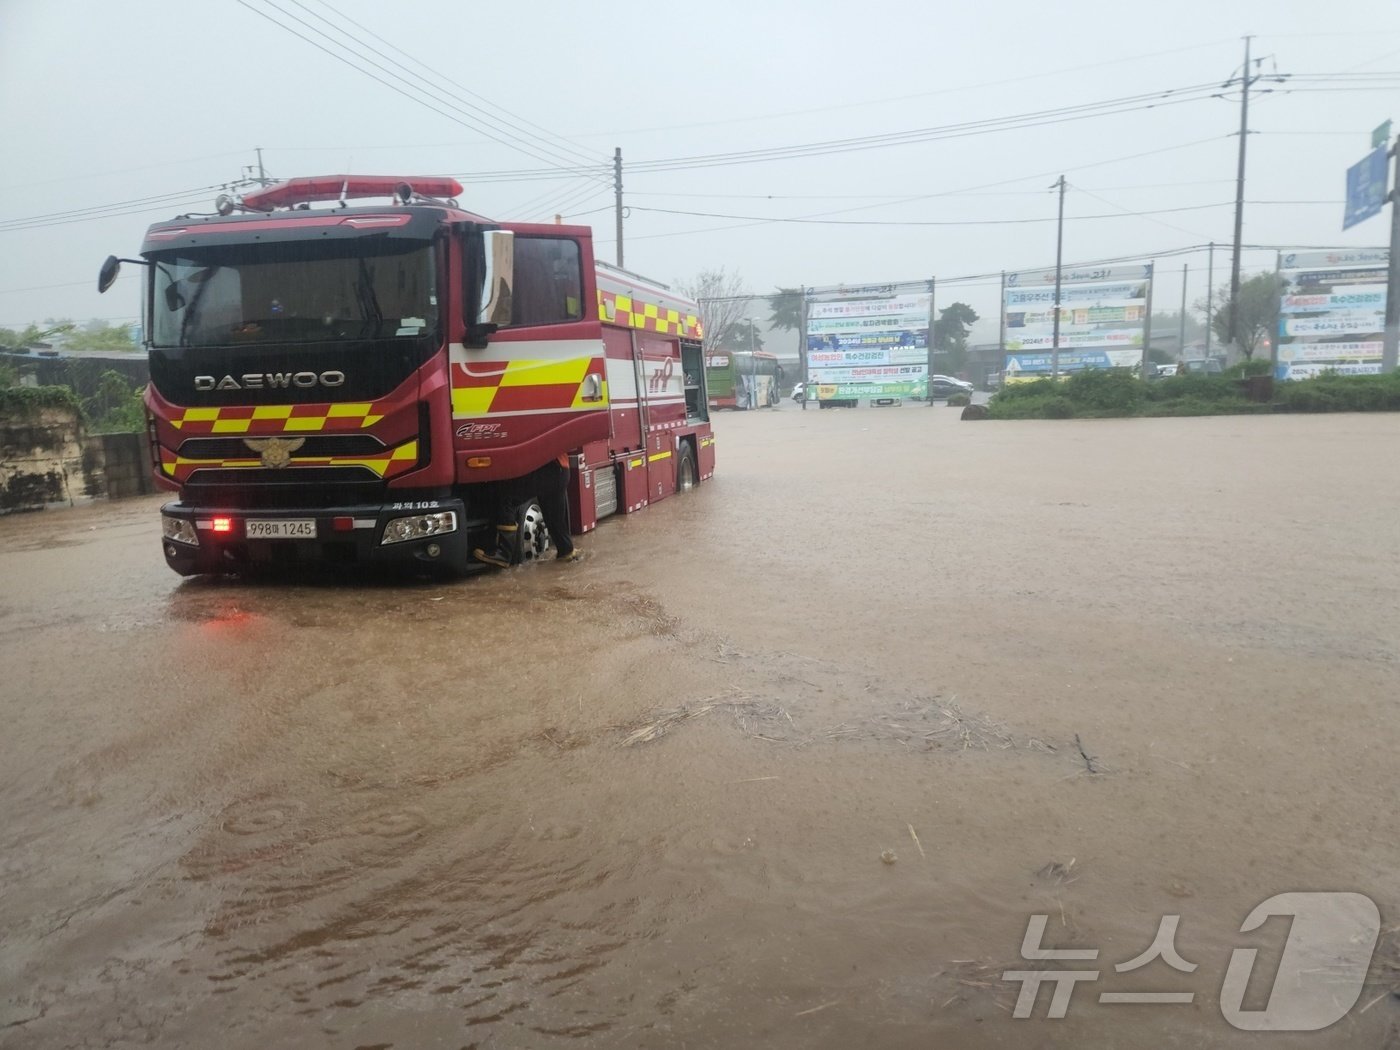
(276, 452)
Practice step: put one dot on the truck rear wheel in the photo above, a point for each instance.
(535, 542)
(687, 476)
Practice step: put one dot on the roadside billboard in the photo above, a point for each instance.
(1331, 312)
(868, 346)
(1103, 319)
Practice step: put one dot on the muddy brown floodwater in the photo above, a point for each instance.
(791, 761)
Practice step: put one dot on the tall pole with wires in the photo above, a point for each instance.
(1147, 323)
(1181, 328)
(931, 340)
(802, 348)
(1059, 255)
(1245, 81)
(617, 198)
(1390, 340)
(1210, 295)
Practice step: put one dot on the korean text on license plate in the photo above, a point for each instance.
(284, 529)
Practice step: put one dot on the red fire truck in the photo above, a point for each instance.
(369, 383)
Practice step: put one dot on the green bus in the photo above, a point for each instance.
(743, 379)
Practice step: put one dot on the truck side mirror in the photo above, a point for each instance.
(107, 276)
(497, 287)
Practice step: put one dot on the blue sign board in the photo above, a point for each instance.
(1366, 181)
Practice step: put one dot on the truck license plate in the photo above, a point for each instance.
(285, 529)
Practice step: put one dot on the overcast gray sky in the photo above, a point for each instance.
(114, 103)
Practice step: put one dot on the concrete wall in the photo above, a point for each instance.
(117, 465)
(46, 458)
(41, 458)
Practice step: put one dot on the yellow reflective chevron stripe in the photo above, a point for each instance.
(649, 317)
(392, 461)
(240, 419)
(541, 373)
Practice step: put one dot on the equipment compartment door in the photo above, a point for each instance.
(626, 416)
(661, 381)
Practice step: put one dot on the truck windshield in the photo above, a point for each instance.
(294, 293)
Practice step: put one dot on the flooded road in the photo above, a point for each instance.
(790, 761)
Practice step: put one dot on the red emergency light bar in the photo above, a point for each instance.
(337, 187)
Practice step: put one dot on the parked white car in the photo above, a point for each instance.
(946, 386)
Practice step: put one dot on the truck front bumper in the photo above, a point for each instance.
(219, 540)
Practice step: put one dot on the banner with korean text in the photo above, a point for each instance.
(1103, 319)
(1331, 312)
(868, 346)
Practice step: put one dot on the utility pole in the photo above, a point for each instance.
(1001, 333)
(1147, 321)
(1210, 295)
(1239, 199)
(802, 349)
(1181, 330)
(1391, 340)
(263, 180)
(617, 191)
(932, 329)
(753, 368)
(1059, 254)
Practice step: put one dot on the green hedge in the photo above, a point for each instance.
(1335, 393)
(1117, 392)
(114, 409)
(24, 402)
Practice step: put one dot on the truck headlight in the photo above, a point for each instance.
(419, 526)
(179, 530)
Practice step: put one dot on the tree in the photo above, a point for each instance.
(1258, 312)
(786, 309)
(723, 303)
(1169, 324)
(742, 336)
(32, 335)
(950, 333)
(99, 335)
(111, 392)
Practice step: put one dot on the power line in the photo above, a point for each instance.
(155, 198)
(1021, 121)
(498, 123)
(141, 207)
(906, 196)
(579, 197)
(550, 198)
(918, 95)
(517, 146)
(123, 171)
(67, 284)
(521, 145)
(922, 222)
(564, 142)
(927, 196)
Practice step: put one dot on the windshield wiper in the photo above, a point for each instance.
(368, 301)
(201, 278)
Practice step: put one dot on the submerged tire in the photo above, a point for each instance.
(534, 539)
(687, 474)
